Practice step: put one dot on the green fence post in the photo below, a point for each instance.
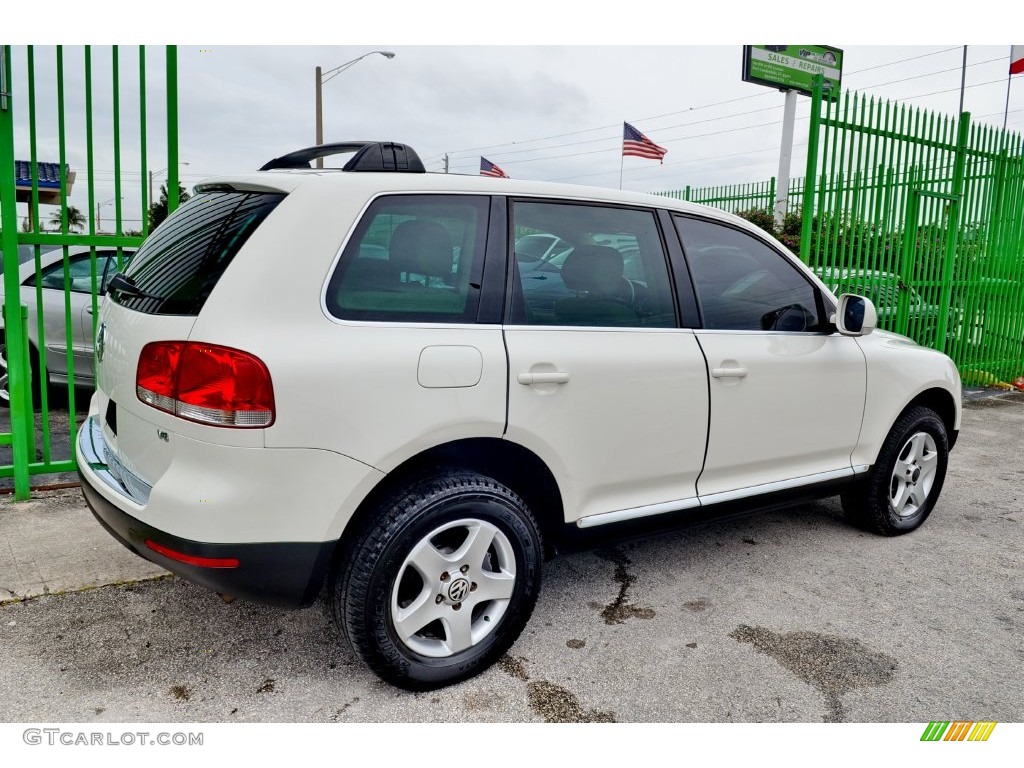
(21, 420)
(952, 231)
(812, 170)
(172, 129)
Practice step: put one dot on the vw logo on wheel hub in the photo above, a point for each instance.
(458, 590)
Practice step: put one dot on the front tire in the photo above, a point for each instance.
(901, 489)
(440, 582)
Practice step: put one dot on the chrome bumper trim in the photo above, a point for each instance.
(106, 466)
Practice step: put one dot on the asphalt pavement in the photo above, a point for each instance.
(789, 616)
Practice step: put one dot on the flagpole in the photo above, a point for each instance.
(963, 81)
(1006, 110)
(622, 161)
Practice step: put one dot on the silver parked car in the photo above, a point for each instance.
(55, 333)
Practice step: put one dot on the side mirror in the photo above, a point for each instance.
(856, 315)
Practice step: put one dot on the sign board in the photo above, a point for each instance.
(793, 67)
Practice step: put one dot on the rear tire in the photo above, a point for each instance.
(440, 581)
(900, 491)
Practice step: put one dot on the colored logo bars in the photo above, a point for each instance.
(958, 731)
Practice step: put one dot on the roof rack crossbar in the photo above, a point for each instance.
(369, 156)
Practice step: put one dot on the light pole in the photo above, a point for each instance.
(152, 175)
(99, 207)
(321, 78)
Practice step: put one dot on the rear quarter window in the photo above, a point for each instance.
(413, 258)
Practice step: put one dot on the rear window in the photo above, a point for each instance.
(179, 264)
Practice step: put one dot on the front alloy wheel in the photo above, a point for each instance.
(913, 475)
(900, 490)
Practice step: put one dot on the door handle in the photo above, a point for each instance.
(545, 377)
(88, 310)
(729, 373)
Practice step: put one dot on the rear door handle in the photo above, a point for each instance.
(728, 373)
(545, 377)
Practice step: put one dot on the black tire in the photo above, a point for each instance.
(896, 496)
(425, 527)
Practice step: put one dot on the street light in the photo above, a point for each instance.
(99, 207)
(323, 77)
(153, 174)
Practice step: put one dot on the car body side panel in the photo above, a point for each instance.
(795, 411)
(898, 371)
(366, 390)
(628, 427)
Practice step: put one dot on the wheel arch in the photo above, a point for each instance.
(509, 463)
(941, 401)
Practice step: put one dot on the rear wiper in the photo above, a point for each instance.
(124, 284)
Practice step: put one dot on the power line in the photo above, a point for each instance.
(900, 61)
(679, 112)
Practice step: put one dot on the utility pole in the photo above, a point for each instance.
(785, 157)
(446, 162)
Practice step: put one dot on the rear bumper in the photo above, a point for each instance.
(287, 574)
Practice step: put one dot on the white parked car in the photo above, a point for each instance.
(335, 380)
(78, 307)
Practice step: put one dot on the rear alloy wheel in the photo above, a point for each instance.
(901, 489)
(442, 581)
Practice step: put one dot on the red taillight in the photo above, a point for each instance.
(205, 383)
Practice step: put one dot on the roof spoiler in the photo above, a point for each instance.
(369, 156)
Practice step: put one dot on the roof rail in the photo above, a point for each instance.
(369, 156)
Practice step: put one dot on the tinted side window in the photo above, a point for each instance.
(79, 275)
(743, 284)
(606, 268)
(413, 257)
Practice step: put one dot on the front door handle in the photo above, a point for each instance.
(543, 377)
(728, 373)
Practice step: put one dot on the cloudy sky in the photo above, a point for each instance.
(541, 111)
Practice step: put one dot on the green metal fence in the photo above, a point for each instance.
(44, 417)
(923, 213)
(739, 198)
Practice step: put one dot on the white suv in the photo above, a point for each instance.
(342, 378)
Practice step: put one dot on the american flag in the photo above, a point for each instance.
(487, 168)
(635, 144)
(1016, 59)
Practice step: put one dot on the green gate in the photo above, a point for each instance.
(44, 418)
(924, 214)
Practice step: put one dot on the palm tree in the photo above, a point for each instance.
(76, 220)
